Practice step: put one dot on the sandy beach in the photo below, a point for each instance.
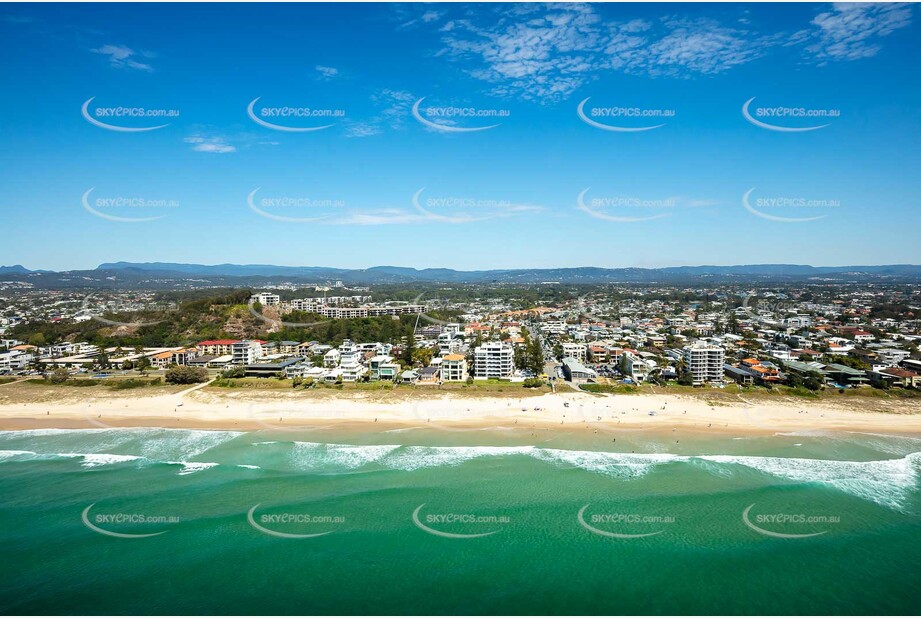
(211, 408)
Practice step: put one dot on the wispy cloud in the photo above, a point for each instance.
(852, 31)
(214, 144)
(15, 19)
(409, 15)
(547, 52)
(392, 112)
(326, 73)
(124, 57)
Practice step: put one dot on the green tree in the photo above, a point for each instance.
(422, 357)
(183, 374)
(409, 349)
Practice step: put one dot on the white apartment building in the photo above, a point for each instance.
(632, 365)
(892, 356)
(453, 368)
(493, 360)
(245, 352)
(331, 359)
(14, 360)
(265, 299)
(705, 362)
(577, 351)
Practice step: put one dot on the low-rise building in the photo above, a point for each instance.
(453, 368)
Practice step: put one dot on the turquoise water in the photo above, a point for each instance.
(532, 514)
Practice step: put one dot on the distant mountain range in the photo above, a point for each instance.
(172, 275)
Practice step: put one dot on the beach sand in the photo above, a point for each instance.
(213, 408)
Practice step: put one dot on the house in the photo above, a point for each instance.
(429, 375)
(331, 358)
(382, 367)
(896, 376)
(741, 375)
(843, 375)
(269, 370)
(352, 370)
(576, 372)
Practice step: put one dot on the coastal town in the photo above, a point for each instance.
(605, 339)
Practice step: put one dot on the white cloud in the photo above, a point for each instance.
(851, 31)
(212, 144)
(392, 111)
(361, 129)
(123, 57)
(546, 52)
(327, 72)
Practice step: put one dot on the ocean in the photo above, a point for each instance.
(510, 520)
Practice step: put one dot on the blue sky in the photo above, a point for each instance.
(383, 186)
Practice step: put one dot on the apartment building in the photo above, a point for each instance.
(577, 351)
(217, 347)
(705, 362)
(493, 360)
(246, 352)
(634, 366)
(453, 368)
(265, 299)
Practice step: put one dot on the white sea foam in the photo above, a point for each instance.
(4, 455)
(416, 457)
(248, 466)
(313, 455)
(183, 445)
(93, 460)
(625, 465)
(887, 482)
(191, 467)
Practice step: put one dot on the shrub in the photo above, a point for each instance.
(59, 376)
(234, 372)
(533, 382)
(182, 374)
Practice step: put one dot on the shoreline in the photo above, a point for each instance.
(256, 411)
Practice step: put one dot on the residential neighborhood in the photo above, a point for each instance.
(837, 337)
